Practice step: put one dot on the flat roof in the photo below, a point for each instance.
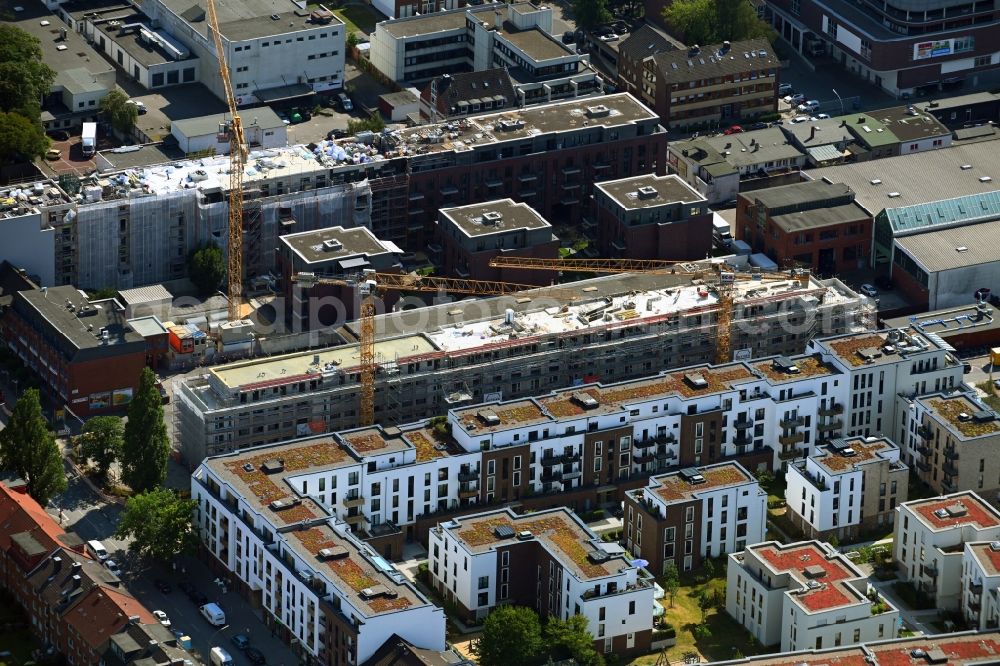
(675, 487)
(147, 326)
(923, 177)
(80, 326)
(952, 321)
(955, 510)
(801, 194)
(333, 243)
(968, 648)
(965, 418)
(248, 19)
(956, 247)
(145, 51)
(535, 43)
(712, 61)
(76, 65)
(485, 417)
(959, 101)
(558, 530)
(798, 367)
(988, 557)
(649, 191)
(981, 207)
(872, 348)
(812, 561)
(745, 148)
(821, 217)
(837, 460)
(260, 116)
(820, 132)
(481, 219)
(427, 24)
(910, 123)
(871, 131)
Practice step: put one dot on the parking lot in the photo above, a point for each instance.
(71, 158)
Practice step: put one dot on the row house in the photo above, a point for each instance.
(928, 542)
(849, 487)
(547, 560)
(694, 513)
(805, 595)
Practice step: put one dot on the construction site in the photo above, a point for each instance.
(434, 358)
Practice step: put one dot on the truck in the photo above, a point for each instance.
(721, 232)
(89, 140)
(220, 657)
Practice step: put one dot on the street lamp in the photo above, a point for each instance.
(211, 639)
(839, 99)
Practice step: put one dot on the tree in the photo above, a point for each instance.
(159, 524)
(571, 639)
(589, 14)
(20, 138)
(101, 441)
(705, 603)
(146, 446)
(352, 39)
(28, 448)
(709, 568)
(119, 112)
(24, 77)
(207, 268)
(713, 21)
(373, 123)
(702, 632)
(512, 636)
(671, 581)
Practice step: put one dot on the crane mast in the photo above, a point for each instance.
(238, 153)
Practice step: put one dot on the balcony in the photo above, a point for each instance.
(549, 461)
(924, 432)
(794, 438)
(924, 450)
(354, 518)
(383, 529)
(643, 456)
(465, 476)
(974, 604)
(949, 469)
(793, 422)
(923, 466)
(553, 475)
(975, 588)
(527, 177)
(951, 453)
(665, 454)
(835, 409)
(644, 443)
(353, 501)
(467, 492)
(930, 569)
(743, 440)
(949, 485)
(788, 454)
(572, 476)
(835, 424)
(742, 423)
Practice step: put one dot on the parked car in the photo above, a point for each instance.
(808, 107)
(794, 99)
(346, 104)
(139, 106)
(58, 135)
(254, 656)
(800, 119)
(241, 641)
(162, 618)
(113, 568)
(785, 89)
(758, 126)
(52, 154)
(336, 134)
(735, 129)
(569, 37)
(608, 38)
(821, 116)
(869, 290)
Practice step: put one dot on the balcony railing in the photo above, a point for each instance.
(924, 432)
(643, 456)
(975, 588)
(949, 469)
(742, 423)
(788, 454)
(549, 461)
(743, 440)
(951, 453)
(923, 466)
(794, 438)
(930, 570)
(352, 501)
(466, 493)
(793, 422)
(468, 476)
(924, 450)
(354, 518)
(833, 410)
(835, 424)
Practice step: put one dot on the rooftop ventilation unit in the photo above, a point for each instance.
(983, 416)
(273, 466)
(332, 245)
(893, 195)
(248, 467)
(525, 535)
(692, 475)
(985, 179)
(376, 591)
(785, 365)
(696, 380)
(598, 556)
(282, 504)
(509, 124)
(814, 571)
(869, 354)
(585, 400)
(956, 510)
(599, 111)
(647, 192)
(965, 167)
(941, 513)
(848, 451)
(503, 531)
(332, 553)
(489, 417)
(492, 217)
(995, 546)
(964, 416)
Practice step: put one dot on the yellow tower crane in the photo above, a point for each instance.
(238, 153)
(370, 284)
(724, 282)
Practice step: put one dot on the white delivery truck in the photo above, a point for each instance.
(722, 234)
(220, 657)
(89, 139)
(213, 614)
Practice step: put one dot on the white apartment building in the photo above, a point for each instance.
(929, 534)
(846, 488)
(687, 515)
(319, 585)
(981, 584)
(515, 37)
(805, 596)
(550, 561)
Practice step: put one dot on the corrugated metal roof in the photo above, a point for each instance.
(152, 294)
(972, 208)
(956, 247)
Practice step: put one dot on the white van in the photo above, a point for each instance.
(213, 614)
(220, 657)
(97, 550)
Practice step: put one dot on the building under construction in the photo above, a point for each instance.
(434, 358)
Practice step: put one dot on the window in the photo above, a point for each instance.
(484, 581)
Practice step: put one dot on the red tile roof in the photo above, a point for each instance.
(20, 513)
(958, 649)
(977, 512)
(796, 560)
(103, 612)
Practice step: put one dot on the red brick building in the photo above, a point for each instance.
(468, 237)
(652, 217)
(86, 355)
(815, 223)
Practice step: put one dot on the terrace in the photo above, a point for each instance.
(371, 441)
(848, 349)
(964, 416)
(494, 418)
(837, 460)
(806, 366)
(568, 541)
(673, 487)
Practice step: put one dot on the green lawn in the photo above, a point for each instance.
(727, 637)
(357, 18)
(991, 399)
